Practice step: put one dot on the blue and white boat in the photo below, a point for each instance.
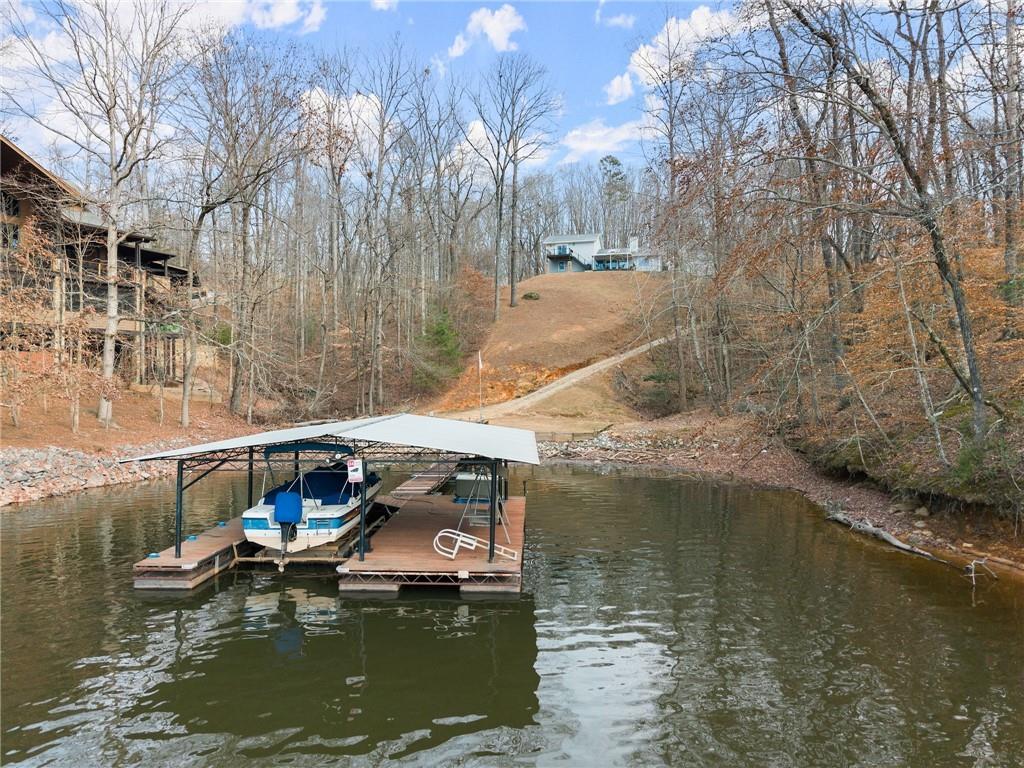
(313, 508)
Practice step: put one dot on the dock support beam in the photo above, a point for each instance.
(249, 505)
(178, 490)
(493, 505)
(362, 514)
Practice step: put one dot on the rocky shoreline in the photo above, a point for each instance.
(30, 474)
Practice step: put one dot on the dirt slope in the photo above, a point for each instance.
(580, 318)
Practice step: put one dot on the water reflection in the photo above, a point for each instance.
(306, 670)
(665, 622)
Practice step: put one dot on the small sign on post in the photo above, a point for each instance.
(355, 470)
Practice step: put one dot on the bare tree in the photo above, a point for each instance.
(115, 88)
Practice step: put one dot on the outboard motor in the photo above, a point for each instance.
(287, 514)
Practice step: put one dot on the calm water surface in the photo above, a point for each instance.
(664, 621)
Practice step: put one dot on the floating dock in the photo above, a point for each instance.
(202, 558)
(394, 544)
(403, 553)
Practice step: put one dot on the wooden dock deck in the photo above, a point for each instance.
(403, 552)
(426, 480)
(211, 552)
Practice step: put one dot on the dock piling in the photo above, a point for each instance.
(178, 490)
(362, 516)
(493, 506)
(249, 504)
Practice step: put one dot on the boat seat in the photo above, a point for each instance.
(448, 542)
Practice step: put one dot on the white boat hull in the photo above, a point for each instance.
(321, 524)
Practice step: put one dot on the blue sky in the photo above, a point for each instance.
(586, 47)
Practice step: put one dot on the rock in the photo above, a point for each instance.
(920, 524)
(922, 512)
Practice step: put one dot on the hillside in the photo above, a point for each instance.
(579, 318)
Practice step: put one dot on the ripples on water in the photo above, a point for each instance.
(663, 622)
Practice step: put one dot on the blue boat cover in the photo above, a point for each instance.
(326, 485)
(288, 507)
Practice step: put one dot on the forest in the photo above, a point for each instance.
(834, 188)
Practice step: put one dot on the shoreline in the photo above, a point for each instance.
(865, 509)
(33, 474)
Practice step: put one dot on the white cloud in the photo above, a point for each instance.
(270, 14)
(622, 20)
(678, 39)
(458, 47)
(315, 17)
(497, 26)
(438, 66)
(383, 5)
(595, 138)
(619, 88)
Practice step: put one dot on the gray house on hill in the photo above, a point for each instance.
(584, 253)
(571, 253)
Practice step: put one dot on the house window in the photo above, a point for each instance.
(9, 205)
(563, 250)
(9, 236)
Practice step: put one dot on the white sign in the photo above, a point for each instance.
(355, 470)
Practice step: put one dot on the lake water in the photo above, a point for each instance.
(663, 621)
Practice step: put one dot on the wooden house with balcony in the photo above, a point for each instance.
(151, 289)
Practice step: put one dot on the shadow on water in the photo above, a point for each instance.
(664, 621)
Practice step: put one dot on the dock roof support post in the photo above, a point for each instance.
(249, 505)
(493, 505)
(362, 514)
(178, 490)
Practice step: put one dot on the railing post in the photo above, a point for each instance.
(178, 511)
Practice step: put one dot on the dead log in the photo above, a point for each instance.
(861, 526)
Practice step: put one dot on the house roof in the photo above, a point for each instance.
(12, 156)
(567, 239)
(402, 429)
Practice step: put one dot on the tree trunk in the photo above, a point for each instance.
(106, 408)
(1011, 251)
(513, 245)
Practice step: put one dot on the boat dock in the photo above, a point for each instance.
(401, 538)
(403, 554)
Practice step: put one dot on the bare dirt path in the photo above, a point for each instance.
(519, 404)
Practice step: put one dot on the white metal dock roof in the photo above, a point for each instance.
(404, 429)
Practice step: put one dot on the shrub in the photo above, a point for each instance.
(438, 352)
